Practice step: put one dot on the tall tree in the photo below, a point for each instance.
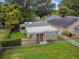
(10, 13)
(45, 7)
(63, 10)
(11, 16)
(39, 7)
(72, 4)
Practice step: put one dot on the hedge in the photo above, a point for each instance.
(11, 43)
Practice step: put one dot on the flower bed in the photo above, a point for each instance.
(72, 36)
(68, 34)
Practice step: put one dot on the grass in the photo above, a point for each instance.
(15, 35)
(56, 50)
(77, 39)
(2, 34)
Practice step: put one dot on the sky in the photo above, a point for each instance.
(57, 2)
(1, 0)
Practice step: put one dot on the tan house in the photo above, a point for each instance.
(69, 23)
(39, 32)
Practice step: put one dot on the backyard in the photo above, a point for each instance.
(56, 50)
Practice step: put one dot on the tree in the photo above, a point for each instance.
(63, 10)
(11, 14)
(40, 7)
(54, 12)
(71, 12)
(71, 4)
(44, 8)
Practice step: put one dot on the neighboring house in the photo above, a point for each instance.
(39, 31)
(68, 23)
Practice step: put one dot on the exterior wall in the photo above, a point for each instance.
(77, 32)
(51, 36)
(71, 28)
(48, 36)
(61, 29)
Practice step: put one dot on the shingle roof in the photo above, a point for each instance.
(38, 27)
(35, 24)
(64, 22)
(41, 29)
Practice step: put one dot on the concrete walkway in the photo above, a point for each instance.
(71, 41)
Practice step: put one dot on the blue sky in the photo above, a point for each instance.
(1, 0)
(57, 2)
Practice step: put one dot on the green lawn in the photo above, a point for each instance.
(16, 35)
(77, 39)
(3, 33)
(57, 50)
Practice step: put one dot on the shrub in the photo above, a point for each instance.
(65, 33)
(11, 43)
(68, 34)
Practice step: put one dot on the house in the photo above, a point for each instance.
(39, 31)
(68, 23)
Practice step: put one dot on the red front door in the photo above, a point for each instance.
(41, 36)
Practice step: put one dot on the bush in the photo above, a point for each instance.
(11, 43)
(65, 33)
(68, 34)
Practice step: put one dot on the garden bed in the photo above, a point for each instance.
(72, 36)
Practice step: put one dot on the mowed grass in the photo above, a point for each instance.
(2, 34)
(56, 50)
(76, 39)
(15, 35)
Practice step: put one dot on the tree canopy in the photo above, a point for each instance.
(39, 7)
(63, 10)
(71, 4)
(10, 14)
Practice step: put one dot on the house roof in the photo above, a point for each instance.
(60, 21)
(38, 27)
(35, 24)
(41, 29)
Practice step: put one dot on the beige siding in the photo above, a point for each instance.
(61, 29)
(71, 28)
(51, 36)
